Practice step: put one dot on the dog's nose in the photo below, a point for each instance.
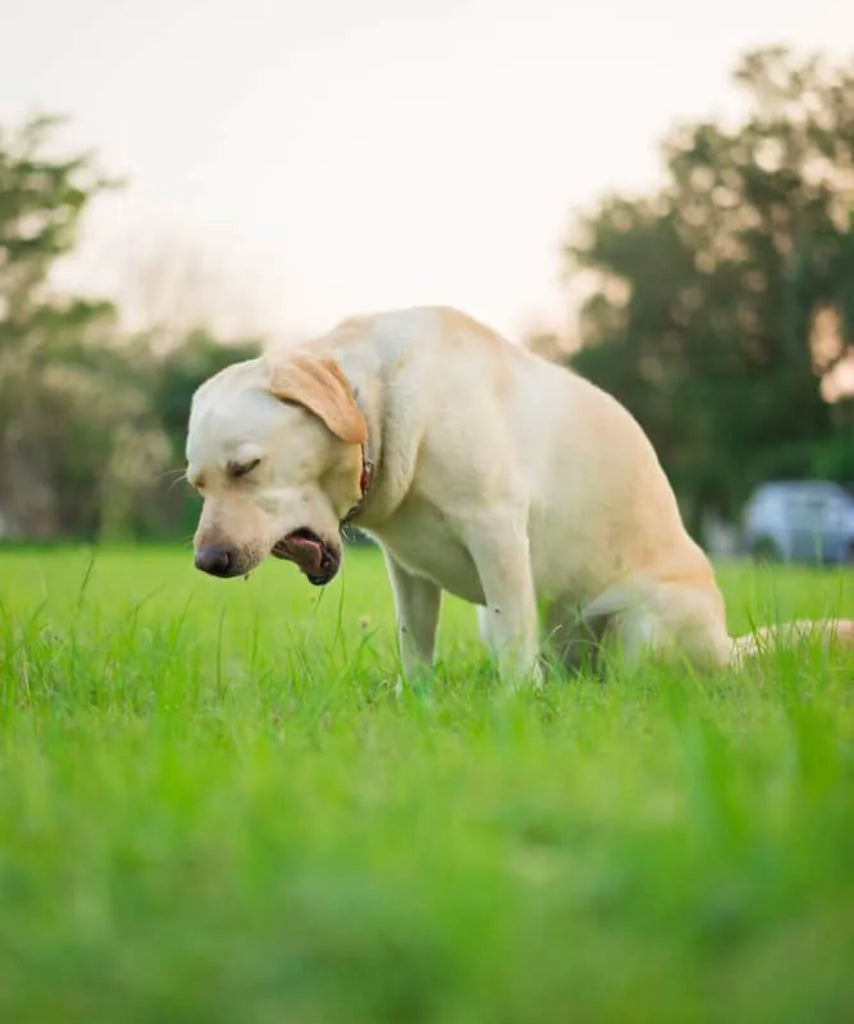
(218, 561)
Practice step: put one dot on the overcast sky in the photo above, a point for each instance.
(330, 157)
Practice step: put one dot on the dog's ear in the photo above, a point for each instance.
(321, 387)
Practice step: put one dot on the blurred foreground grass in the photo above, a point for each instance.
(214, 807)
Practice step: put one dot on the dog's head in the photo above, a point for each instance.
(274, 448)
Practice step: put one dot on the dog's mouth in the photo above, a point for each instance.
(316, 558)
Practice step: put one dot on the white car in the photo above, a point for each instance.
(807, 521)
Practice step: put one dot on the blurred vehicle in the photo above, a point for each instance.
(807, 521)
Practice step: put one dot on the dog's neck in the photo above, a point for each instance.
(385, 484)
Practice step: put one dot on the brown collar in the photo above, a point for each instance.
(367, 473)
(364, 483)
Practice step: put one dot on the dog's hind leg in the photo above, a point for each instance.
(661, 619)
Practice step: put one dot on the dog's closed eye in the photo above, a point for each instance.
(239, 469)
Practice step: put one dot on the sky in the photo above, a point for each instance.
(291, 163)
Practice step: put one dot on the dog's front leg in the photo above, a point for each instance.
(509, 621)
(417, 601)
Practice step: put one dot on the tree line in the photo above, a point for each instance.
(716, 305)
(722, 298)
(92, 419)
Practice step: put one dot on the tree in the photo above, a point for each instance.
(47, 345)
(90, 420)
(707, 289)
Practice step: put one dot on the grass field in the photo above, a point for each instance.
(214, 807)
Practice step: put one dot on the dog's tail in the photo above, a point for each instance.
(829, 632)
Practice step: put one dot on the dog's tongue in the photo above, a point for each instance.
(305, 551)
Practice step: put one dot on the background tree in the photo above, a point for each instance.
(50, 348)
(707, 289)
(91, 421)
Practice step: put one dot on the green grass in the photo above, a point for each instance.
(215, 807)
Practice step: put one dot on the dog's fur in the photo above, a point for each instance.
(497, 476)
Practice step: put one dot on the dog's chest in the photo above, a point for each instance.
(424, 541)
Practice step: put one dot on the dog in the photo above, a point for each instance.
(481, 469)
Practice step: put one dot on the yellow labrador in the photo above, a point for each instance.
(480, 468)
